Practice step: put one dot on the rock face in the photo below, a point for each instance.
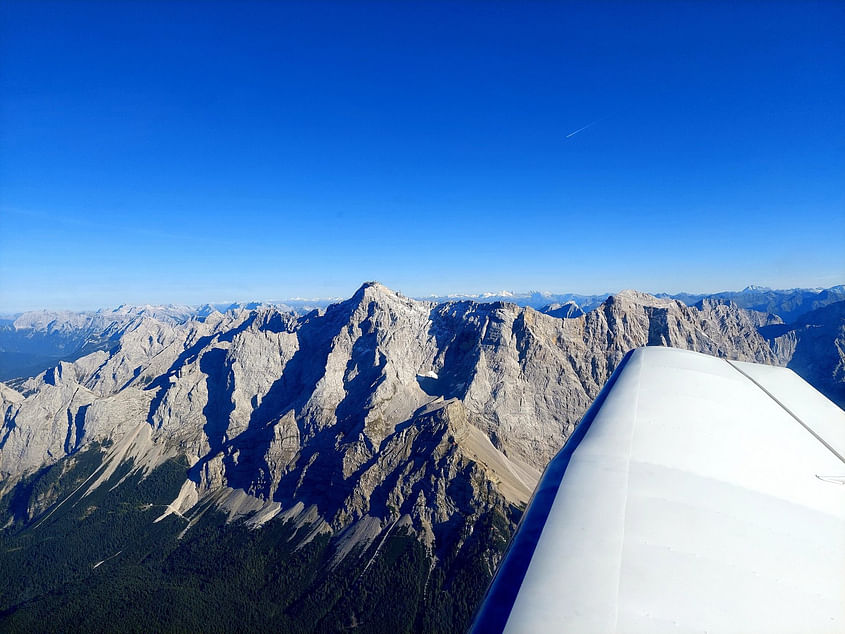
(37, 340)
(814, 347)
(567, 310)
(280, 406)
(788, 304)
(34, 341)
(376, 414)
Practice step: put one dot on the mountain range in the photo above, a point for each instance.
(36, 340)
(358, 466)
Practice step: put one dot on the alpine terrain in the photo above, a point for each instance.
(359, 466)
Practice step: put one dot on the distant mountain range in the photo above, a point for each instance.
(34, 341)
(788, 304)
(358, 466)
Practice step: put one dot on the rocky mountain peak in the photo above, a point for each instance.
(378, 292)
(380, 395)
(379, 417)
(566, 310)
(632, 297)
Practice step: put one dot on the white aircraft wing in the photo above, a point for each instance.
(696, 495)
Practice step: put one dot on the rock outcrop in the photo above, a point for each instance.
(567, 310)
(290, 408)
(814, 347)
(377, 420)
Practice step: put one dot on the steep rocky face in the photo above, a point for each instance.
(788, 304)
(379, 417)
(814, 347)
(279, 405)
(567, 310)
(39, 339)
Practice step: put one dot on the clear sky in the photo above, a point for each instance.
(156, 152)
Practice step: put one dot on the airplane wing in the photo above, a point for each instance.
(696, 495)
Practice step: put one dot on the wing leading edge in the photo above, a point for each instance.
(696, 495)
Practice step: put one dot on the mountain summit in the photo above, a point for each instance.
(380, 429)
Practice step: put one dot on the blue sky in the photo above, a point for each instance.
(190, 152)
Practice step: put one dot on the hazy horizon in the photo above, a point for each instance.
(519, 293)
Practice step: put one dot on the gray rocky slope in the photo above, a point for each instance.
(788, 304)
(567, 310)
(378, 419)
(814, 347)
(377, 411)
(34, 341)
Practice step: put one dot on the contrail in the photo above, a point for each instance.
(571, 134)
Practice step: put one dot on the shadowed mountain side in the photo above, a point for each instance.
(814, 347)
(367, 364)
(788, 304)
(34, 341)
(567, 310)
(380, 419)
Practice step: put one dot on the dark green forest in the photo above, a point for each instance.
(218, 577)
